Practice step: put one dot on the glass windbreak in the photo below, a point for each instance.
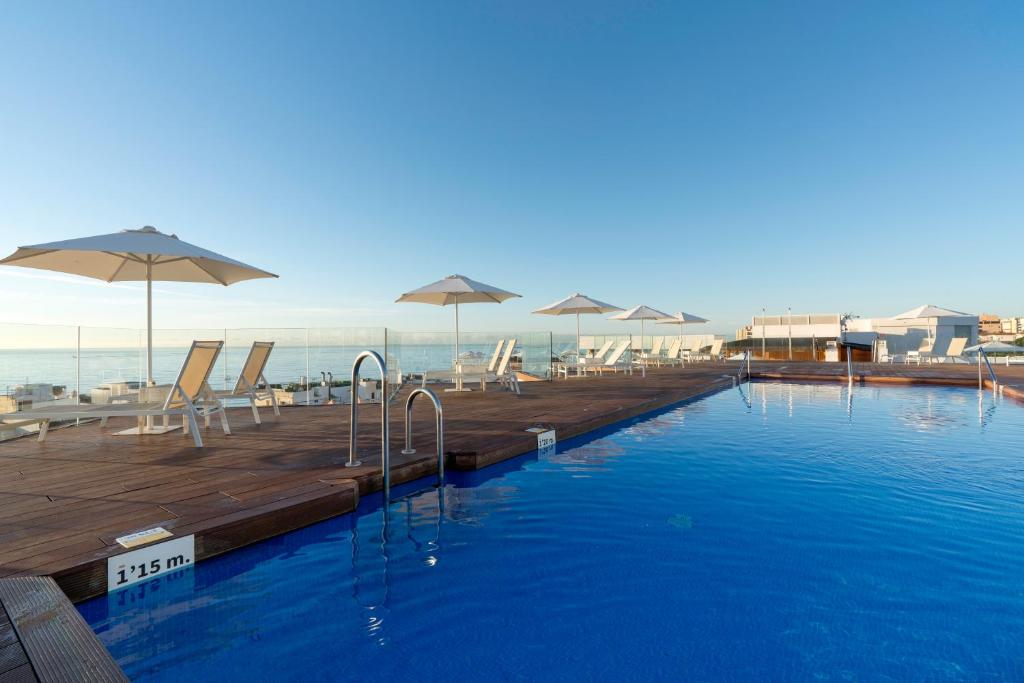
(170, 348)
(113, 363)
(38, 363)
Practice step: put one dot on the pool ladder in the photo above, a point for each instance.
(353, 460)
(744, 365)
(991, 372)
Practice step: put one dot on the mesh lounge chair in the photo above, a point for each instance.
(190, 397)
(614, 362)
(672, 357)
(250, 379)
(496, 355)
(484, 374)
(578, 364)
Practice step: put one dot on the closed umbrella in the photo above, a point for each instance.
(456, 289)
(640, 313)
(143, 255)
(577, 304)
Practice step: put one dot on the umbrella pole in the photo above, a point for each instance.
(149, 321)
(456, 331)
(579, 369)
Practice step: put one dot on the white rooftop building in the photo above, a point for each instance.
(925, 327)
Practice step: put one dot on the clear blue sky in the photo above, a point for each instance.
(709, 157)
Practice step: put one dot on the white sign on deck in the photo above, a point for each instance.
(149, 562)
(545, 437)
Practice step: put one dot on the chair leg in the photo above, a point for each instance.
(44, 427)
(197, 439)
(223, 415)
(255, 411)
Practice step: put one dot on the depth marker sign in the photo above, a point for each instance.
(149, 562)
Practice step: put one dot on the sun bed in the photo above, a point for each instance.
(614, 362)
(652, 357)
(496, 355)
(189, 397)
(954, 352)
(672, 357)
(250, 379)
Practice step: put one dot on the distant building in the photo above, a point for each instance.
(1011, 326)
(989, 324)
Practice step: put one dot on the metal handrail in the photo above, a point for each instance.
(438, 422)
(991, 372)
(744, 361)
(354, 424)
(849, 364)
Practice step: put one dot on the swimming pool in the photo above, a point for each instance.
(787, 531)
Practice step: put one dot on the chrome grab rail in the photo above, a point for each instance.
(353, 422)
(739, 373)
(438, 422)
(991, 372)
(849, 364)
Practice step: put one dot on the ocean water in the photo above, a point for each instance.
(777, 532)
(287, 363)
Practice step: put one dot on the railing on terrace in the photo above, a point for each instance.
(40, 363)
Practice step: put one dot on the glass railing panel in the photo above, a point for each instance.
(170, 347)
(112, 363)
(38, 364)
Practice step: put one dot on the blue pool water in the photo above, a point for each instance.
(788, 532)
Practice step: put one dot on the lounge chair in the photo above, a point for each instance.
(576, 364)
(483, 374)
(190, 397)
(692, 354)
(614, 362)
(496, 355)
(672, 356)
(923, 353)
(653, 357)
(715, 353)
(954, 352)
(250, 379)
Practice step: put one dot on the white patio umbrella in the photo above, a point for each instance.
(680, 318)
(456, 289)
(144, 255)
(577, 304)
(640, 313)
(995, 347)
(930, 313)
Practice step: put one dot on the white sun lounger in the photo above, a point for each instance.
(190, 397)
(614, 362)
(250, 379)
(579, 366)
(496, 355)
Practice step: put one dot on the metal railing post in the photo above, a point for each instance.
(438, 423)
(353, 427)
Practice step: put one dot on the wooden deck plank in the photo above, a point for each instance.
(53, 637)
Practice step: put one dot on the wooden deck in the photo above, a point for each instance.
(63, 502)
(43, 638)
